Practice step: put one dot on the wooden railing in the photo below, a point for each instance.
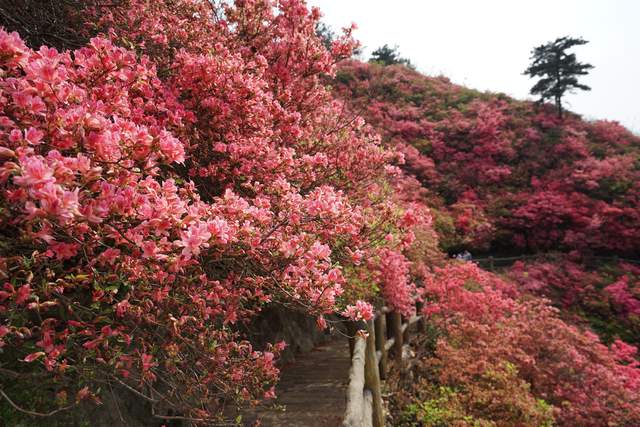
(386, 334)
(490, 262)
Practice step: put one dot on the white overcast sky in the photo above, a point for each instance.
(486, 44)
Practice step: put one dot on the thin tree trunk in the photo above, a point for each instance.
(559, 107)
(558, 97)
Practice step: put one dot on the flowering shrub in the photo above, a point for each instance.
(605, 296)
(506, 358)
(625, 297)
(157, 189)
(394, 275)
(102, 242)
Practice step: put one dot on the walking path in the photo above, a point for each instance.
(311, 391)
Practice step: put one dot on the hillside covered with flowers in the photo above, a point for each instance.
(508, 177)
(181, 165)
(505, 174)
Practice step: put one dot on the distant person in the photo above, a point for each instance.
(464, 256)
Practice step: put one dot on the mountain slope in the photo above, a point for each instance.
(504, 174)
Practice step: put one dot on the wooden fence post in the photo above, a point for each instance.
(352, 329)
(372, 376)
(354, 413)
(396, 332)
(367, 419)
(422, 326)
(406, 334)
(381, 341)
(491, 266)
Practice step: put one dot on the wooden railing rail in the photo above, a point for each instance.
(490, 262)
(385, 334)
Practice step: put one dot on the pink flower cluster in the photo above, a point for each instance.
(360, 311)
(398, 290)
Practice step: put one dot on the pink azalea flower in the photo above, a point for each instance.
(193, 239)
(360, 311)
(34, 172)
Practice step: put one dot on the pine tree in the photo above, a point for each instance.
(387, 55)
(557, 69)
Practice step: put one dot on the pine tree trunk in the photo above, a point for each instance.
(557, 70)
(559, 107)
